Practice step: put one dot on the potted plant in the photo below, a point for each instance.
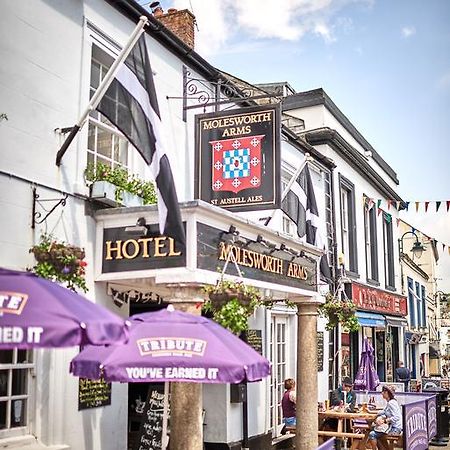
(115, 186)
(337, 312)
(231, 303)
(59, 261)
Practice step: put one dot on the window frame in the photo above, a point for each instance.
(388, 249)
(351, 258)
(371, 244)
(28, 396)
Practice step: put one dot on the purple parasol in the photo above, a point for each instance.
(35, 312)
(170, 345)
(366, 378)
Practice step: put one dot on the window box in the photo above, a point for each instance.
(129, 199)
(104, 192)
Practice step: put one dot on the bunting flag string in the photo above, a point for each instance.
(399, 205)
(388, 217)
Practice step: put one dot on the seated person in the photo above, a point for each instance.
(343, 394)
(388, 421)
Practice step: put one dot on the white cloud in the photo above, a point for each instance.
(221, 20)
(408, 31)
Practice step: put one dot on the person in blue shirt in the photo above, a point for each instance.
(388, 421)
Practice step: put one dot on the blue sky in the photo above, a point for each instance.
(385, 63)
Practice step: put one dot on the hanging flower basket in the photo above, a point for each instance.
(339, 312)
(61, 262)
(232, 303)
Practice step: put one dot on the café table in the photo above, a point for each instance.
(359, 440)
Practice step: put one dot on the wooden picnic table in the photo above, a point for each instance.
(359, 439)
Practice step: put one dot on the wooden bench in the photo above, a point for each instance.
(355, 437)
(394, 441)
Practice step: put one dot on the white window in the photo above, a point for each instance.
(106, 144)
(278, 358)
(15, 369)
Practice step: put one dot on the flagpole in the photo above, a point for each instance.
(288, 186)
(103, 87)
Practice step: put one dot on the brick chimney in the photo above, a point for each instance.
(181, 23)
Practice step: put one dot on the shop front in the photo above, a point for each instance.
(381, 315)
(141, 270)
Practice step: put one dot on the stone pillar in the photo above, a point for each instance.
(186, 403)
(307, 391)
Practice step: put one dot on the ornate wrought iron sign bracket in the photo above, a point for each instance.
(37, 215)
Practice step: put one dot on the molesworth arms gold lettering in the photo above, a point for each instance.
(237, 125)
(267, 263)
(153, 247)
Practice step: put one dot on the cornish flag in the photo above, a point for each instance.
(130, 103)
(300, 206)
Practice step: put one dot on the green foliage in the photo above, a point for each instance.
(123, 182)
(61, 262)
(339, 312)
(232, 303)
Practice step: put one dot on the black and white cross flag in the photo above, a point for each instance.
(130, 103)
(300, 206)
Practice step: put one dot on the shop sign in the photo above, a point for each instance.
(238, 158)
(415, 430)
(377, 300)
(93, 393)
(122, 252)
(259, 264)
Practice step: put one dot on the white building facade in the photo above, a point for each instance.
(55, 55)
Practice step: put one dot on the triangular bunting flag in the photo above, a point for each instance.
(371, 203)
(388, 217)
(448, 205)
(398, 221)
(438, 205)
(417, 206)
(426, 206)
(379, 211)
(413, 229)
(407, 205)
(389, 204)
(448, 248)
(364, 200)
(398, 205)
(443, 247)
(379, 203)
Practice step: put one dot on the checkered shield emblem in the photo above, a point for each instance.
(236, 164)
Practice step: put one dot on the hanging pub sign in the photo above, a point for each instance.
(372, 299)
(238, 158)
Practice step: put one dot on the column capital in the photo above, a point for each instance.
(186, 297)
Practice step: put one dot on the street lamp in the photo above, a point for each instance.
(417, 248)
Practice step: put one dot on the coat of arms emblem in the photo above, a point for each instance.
(236, 163)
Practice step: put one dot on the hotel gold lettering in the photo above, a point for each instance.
(267, 263)
(153, 247)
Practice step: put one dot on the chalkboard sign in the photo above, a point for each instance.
(150, 432)
(254, 339)
(320, 351)
(93, 393)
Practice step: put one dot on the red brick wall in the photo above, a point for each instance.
(180, 23)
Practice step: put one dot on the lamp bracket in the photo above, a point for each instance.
(38, 217)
